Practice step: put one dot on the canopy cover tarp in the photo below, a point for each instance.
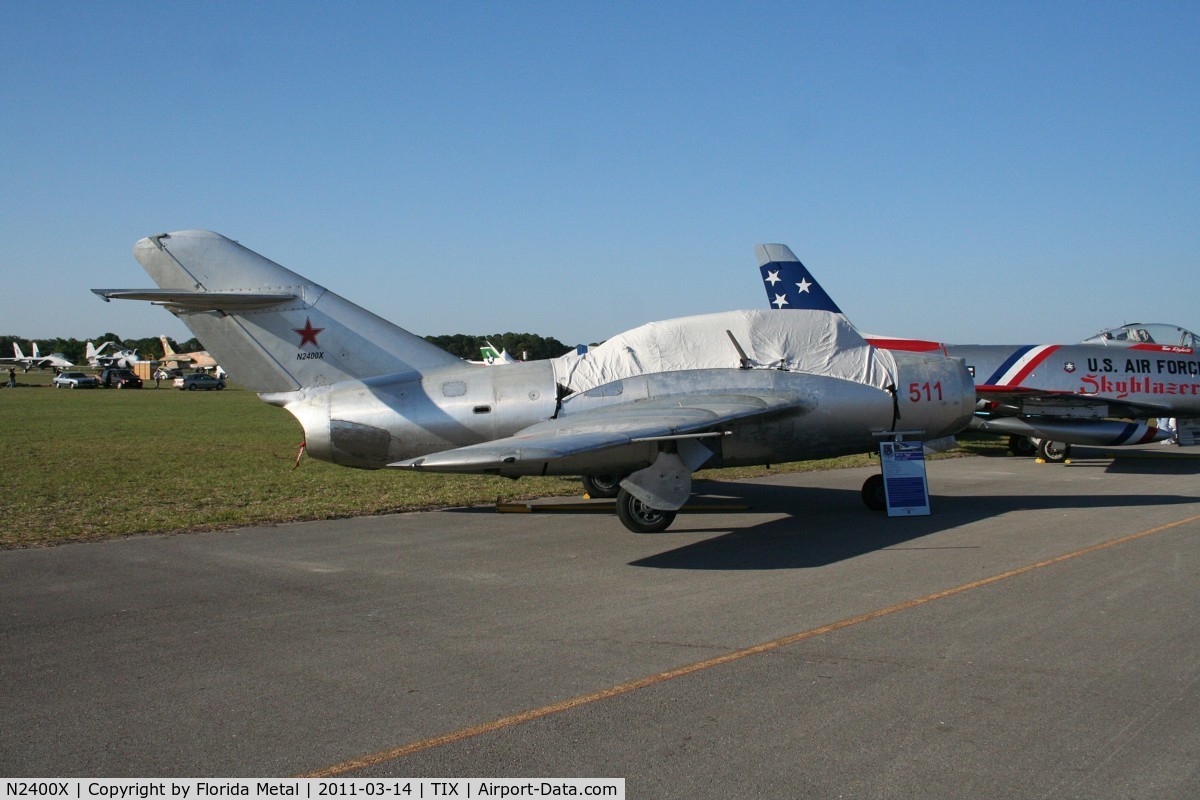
(815, 342)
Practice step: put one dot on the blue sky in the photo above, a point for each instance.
(978, 172)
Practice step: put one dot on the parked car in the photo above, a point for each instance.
(120, 379)
(75, 380)
(199, 380)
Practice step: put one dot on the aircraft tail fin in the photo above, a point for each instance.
(17, 351)
(788, 283)
(94, 352)
(493, 356)
(168, 351)
(36, 354)
(271, 329)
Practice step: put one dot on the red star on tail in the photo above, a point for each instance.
(308, 333)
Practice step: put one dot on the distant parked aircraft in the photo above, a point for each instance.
(54, 361)
(120, 359)
(492, 357)
(93, 354)
(200, 359)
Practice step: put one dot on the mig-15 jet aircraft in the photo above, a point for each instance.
(651, 405)
(1098, 392)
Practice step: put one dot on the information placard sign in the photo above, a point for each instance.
(904, 482)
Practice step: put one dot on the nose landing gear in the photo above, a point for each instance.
(873, 493)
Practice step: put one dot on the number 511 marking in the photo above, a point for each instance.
(924, 391)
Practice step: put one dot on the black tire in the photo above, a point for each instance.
(1053, 452)
(220, 386)
(191, 387)
(874, 496)
(639, 517)
(1021, 446)
(606, 486)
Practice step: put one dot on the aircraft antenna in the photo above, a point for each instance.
(744, 360)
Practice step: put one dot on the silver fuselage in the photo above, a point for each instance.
(378, 421)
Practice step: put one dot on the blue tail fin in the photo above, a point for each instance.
(789, 285)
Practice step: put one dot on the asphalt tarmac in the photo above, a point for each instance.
(1037, 636)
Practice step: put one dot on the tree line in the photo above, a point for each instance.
(525, 346)
(529, 346)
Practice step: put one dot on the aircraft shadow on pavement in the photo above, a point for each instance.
(1155, 466)
(1145, 461)
(825, 526)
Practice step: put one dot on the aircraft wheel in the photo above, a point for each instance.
(639, 517)
(602, 485)
(873, 495)
(1053, 452)
(1021, 446)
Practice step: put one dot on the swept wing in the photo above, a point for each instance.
(609, 428)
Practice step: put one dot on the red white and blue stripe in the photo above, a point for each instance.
(1138, 433)
(1018, 366)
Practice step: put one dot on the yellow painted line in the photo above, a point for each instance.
(530, 508)
(451, 737)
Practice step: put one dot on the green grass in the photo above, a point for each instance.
(96, 464)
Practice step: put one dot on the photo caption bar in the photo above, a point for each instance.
(404, 788)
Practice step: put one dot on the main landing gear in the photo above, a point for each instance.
(633, 513)
(1048, 451)
(639, 517)
(1021, 446)
(1053, 452)
(602, 486)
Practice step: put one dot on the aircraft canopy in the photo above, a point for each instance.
(1145, 333)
